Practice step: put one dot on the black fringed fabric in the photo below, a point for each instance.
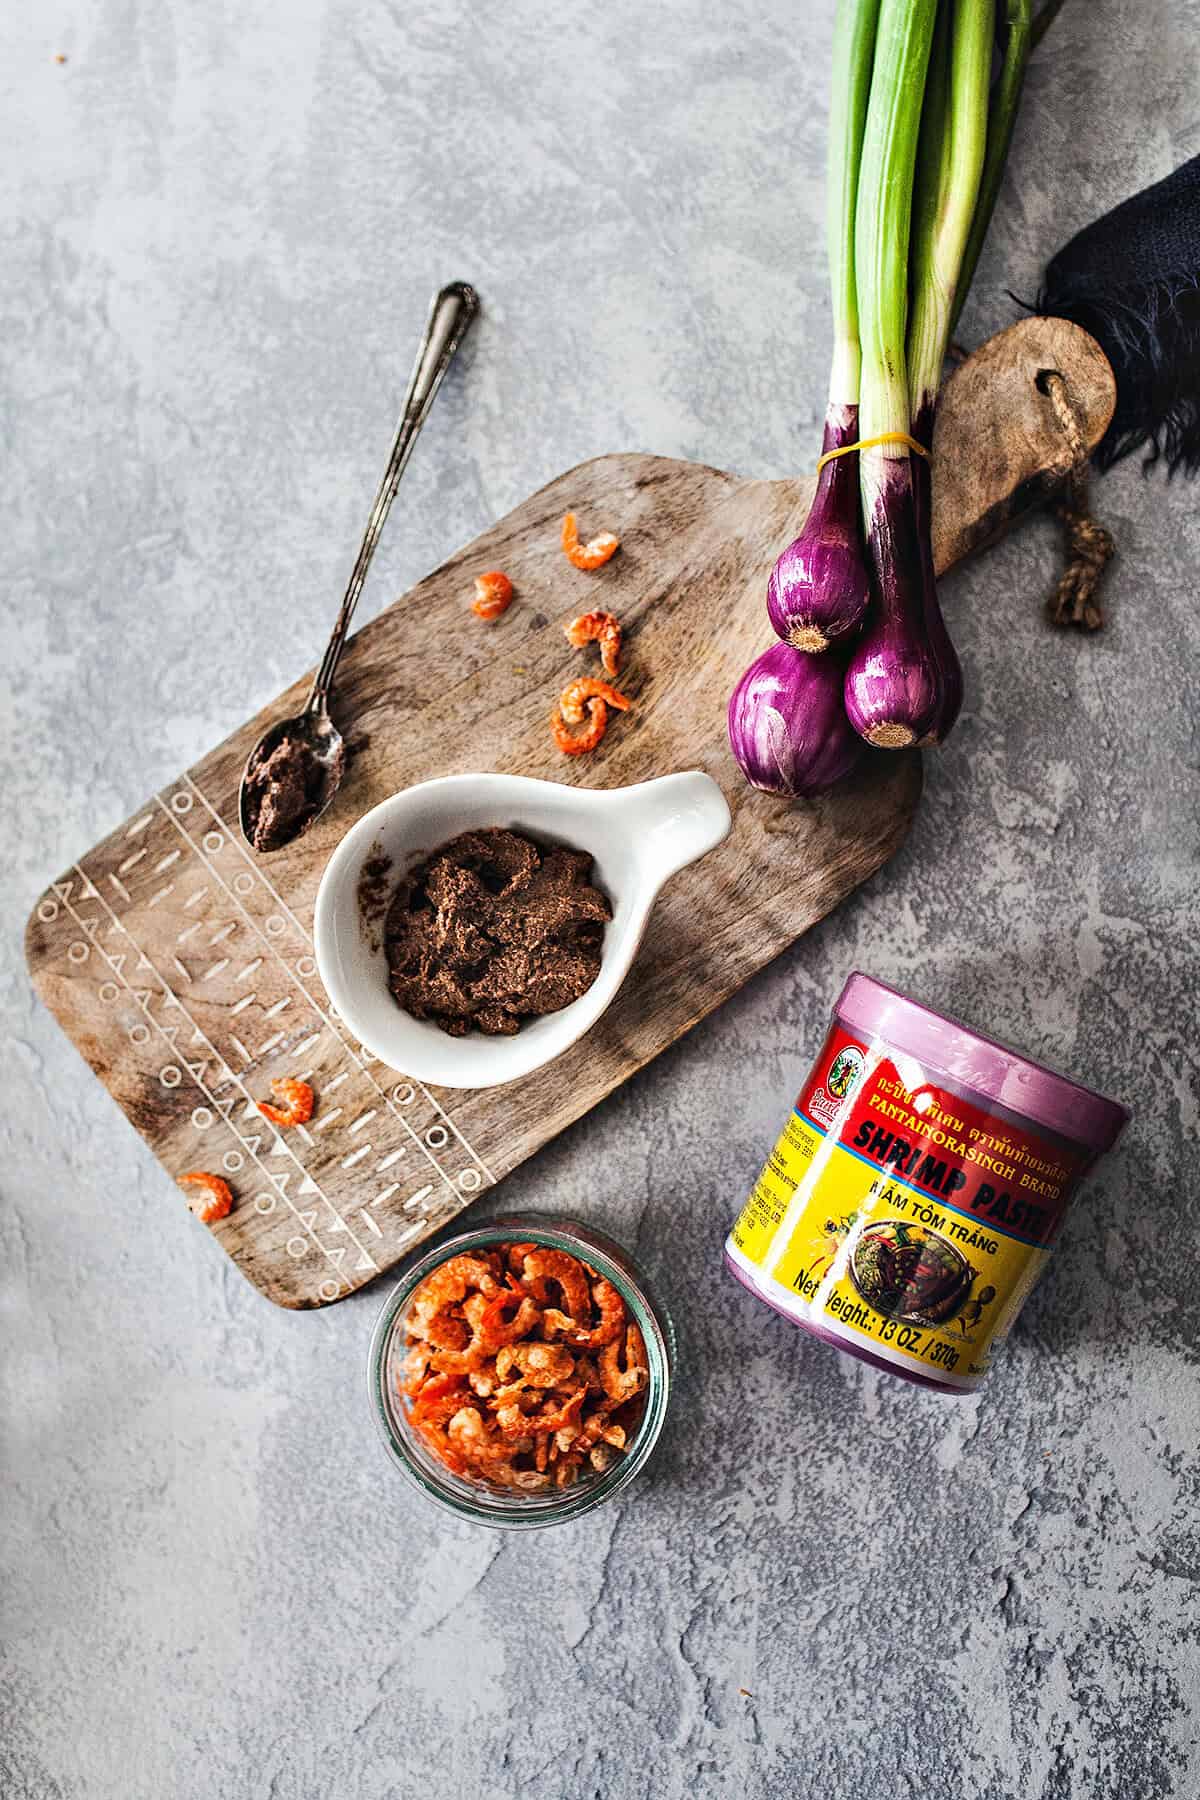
(1133, 281)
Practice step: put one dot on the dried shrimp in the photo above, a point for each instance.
(523, 1369)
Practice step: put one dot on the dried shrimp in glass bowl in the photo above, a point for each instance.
(520, 1373)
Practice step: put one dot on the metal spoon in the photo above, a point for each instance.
(320, 756)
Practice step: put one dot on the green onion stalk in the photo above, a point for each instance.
(1021, 33)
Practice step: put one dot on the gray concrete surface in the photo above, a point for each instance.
(221, 227)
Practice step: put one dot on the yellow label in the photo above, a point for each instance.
(874, 1260)
(771, 1193)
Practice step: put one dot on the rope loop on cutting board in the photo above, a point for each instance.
(1089, 545)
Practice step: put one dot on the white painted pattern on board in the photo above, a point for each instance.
(226, 869)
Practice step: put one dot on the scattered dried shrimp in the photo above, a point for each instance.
(493, 595)
(592, 555)
(213, 1201)
(295, 1103)
(585, 697)
(599, 628)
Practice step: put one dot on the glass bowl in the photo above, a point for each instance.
(505, 1508)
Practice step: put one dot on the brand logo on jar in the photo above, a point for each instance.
(844, 1071)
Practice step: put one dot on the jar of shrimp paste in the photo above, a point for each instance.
(911, 1202)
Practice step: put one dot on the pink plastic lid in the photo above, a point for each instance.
(980, 1063)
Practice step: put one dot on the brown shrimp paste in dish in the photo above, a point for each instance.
(493, 929)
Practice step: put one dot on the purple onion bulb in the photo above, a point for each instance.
(787, 726)
(895, 686)
(818, 590)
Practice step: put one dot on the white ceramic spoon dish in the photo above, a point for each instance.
(638, 836)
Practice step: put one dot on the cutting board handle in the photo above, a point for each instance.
(999, 449)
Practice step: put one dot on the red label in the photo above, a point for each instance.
(956, 1152)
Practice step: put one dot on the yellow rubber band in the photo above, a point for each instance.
(885, 437)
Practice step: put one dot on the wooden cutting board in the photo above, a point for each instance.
(182, 965)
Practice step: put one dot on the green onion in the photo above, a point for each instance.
(853, 55)
(918, 140)
(954, 128)
(1002, 122)
(883, 213)
(818, 590)
(949, 170)
(894, 687)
